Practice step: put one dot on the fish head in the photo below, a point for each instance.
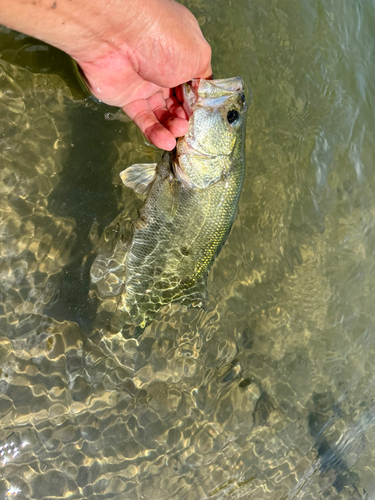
(215, 139)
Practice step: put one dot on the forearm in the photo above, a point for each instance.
(89, 30)
(77, 27)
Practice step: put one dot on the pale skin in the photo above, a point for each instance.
(135, 54)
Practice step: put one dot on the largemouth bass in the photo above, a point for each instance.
(192, 198)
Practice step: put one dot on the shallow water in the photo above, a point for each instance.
(269, 394)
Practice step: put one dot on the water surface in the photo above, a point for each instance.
(269, 394)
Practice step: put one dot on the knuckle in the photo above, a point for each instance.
(207, 52)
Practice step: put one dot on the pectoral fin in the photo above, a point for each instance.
(139, 177)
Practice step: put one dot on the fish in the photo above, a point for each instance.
(192, 196)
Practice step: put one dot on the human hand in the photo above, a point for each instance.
(134, 53)
(141, 69)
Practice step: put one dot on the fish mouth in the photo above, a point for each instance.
(203, 89)
(233, 84)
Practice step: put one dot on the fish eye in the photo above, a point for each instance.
(233, 116)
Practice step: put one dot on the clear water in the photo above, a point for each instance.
(269, 394)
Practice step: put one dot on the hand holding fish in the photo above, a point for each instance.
(134, 54)
(141, 72)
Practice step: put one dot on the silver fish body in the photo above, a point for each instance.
(192, 199)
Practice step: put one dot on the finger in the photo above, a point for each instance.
(177, 126)
(175, 108)
(146, 120)
(179, 94)
(160, 137)
(158, 105)
(157, 101)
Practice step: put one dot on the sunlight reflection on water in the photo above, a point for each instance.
(270, 392)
